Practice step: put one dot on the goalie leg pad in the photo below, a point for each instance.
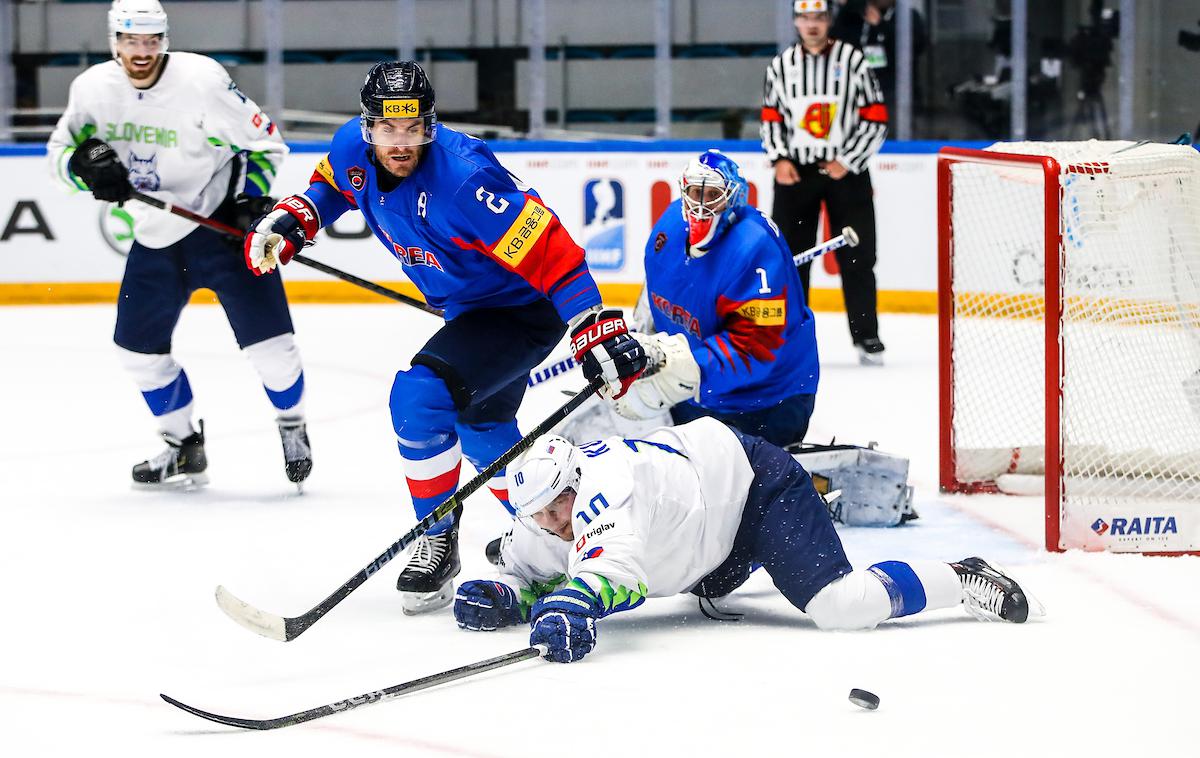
(873, 485)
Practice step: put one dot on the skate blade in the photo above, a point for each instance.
(177, 483)
(416, 603)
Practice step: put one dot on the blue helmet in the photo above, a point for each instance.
(714, 195)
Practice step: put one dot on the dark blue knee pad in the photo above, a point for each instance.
(423, 411)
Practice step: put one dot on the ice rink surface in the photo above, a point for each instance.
(108, 592)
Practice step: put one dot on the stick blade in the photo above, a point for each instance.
(225, 720)
(260, 622)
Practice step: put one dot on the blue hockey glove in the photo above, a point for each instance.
(602, 345)
(484, 606)
(565, 622)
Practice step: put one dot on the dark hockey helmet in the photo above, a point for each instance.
(396, 90)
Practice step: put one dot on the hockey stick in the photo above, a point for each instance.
(367, 698)
(231, 231)
(560, 366)
(286, 629)
(848, 238)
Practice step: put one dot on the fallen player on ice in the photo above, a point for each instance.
(693, 508)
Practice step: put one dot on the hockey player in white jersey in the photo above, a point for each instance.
(175, 126)
(693, 508)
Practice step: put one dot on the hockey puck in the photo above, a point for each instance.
(864, 699)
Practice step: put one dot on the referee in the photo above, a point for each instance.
(823, 116)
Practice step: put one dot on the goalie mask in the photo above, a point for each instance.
(137, 17)
(713, 193)
(398, 105)
(542, 473)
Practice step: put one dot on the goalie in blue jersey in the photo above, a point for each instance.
(734, 338)
(483, 247)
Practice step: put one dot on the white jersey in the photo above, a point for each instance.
(652, 516)
(178, 139)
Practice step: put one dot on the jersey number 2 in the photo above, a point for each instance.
(489, 199)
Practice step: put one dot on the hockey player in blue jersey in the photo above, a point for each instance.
(734, 337)
(485, 249)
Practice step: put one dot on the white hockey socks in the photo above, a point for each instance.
(862, 599)
(164, 387)
(277, 361)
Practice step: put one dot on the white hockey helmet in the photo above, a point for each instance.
(542, 473)
(136, 17)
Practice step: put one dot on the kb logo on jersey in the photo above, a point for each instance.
(400, 108)
(818, 119)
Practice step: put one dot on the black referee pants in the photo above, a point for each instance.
(850, 203)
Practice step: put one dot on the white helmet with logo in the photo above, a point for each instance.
(542, 473)
(136, 17)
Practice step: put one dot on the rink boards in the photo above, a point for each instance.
(60, 248)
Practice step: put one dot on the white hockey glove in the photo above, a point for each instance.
(673, 377)
(279, 235)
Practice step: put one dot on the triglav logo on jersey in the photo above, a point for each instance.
(116, 227)
(604, 224)
(818, 119)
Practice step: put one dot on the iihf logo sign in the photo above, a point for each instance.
(1100, 526)
(604, 224)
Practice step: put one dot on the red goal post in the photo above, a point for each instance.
(1069, 337)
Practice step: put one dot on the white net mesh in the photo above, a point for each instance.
(1130, 335)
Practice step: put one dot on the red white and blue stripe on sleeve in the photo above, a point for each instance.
(747, 345)
(532, 243)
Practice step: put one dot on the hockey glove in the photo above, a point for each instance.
(602, 345)
(673, 377)
(485, 606)
(279, 235)
(565, 622)
(100, 168)
(249, 208)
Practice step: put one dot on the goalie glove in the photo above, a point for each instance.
(673, 376)
(279, 235)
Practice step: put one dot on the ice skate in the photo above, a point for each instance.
(492, 552)
(180, 466)
(297, 453)
(426, 583)
(870, 351)
(990, 595)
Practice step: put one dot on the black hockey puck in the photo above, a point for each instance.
(864, 699)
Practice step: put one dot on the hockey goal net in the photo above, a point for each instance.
(1069, 302)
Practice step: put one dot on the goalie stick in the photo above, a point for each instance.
(231, 231)
(286, 629)
(563, 364)
(367, 698)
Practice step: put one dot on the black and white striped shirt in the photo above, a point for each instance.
(822, 107)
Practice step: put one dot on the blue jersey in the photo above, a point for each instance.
(468, 233)
(741, 308)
